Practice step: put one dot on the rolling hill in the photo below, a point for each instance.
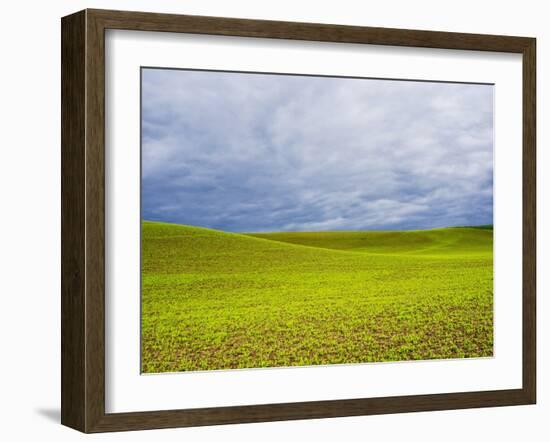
(446, 242)
(218, 300)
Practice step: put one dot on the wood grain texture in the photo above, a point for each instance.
(308, 410)
(73, 129)
(83, 220)
(529, 220)
(194, 24)
(95, 222)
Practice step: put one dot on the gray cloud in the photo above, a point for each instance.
(256, 152)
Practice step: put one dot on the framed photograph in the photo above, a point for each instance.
(268, 220)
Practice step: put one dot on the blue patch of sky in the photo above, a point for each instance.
(249, 152)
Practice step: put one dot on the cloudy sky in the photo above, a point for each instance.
(255, 152)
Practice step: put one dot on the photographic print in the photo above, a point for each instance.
(298, 220)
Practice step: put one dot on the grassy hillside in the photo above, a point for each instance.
(443, 243)
(216, 300)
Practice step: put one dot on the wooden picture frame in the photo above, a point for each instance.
(83, 220)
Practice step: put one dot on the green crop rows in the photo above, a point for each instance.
(215, 300)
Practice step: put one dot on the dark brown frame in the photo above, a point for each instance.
(83, 216)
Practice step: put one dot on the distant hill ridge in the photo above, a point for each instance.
(443, 241)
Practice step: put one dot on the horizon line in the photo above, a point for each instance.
(474, 226)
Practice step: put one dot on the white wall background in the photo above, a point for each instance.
(30, 217)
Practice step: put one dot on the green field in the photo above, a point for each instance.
(215, 300)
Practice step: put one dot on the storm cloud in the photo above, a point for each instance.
(258, 152)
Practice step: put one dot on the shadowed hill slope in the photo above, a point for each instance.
(448, 241)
